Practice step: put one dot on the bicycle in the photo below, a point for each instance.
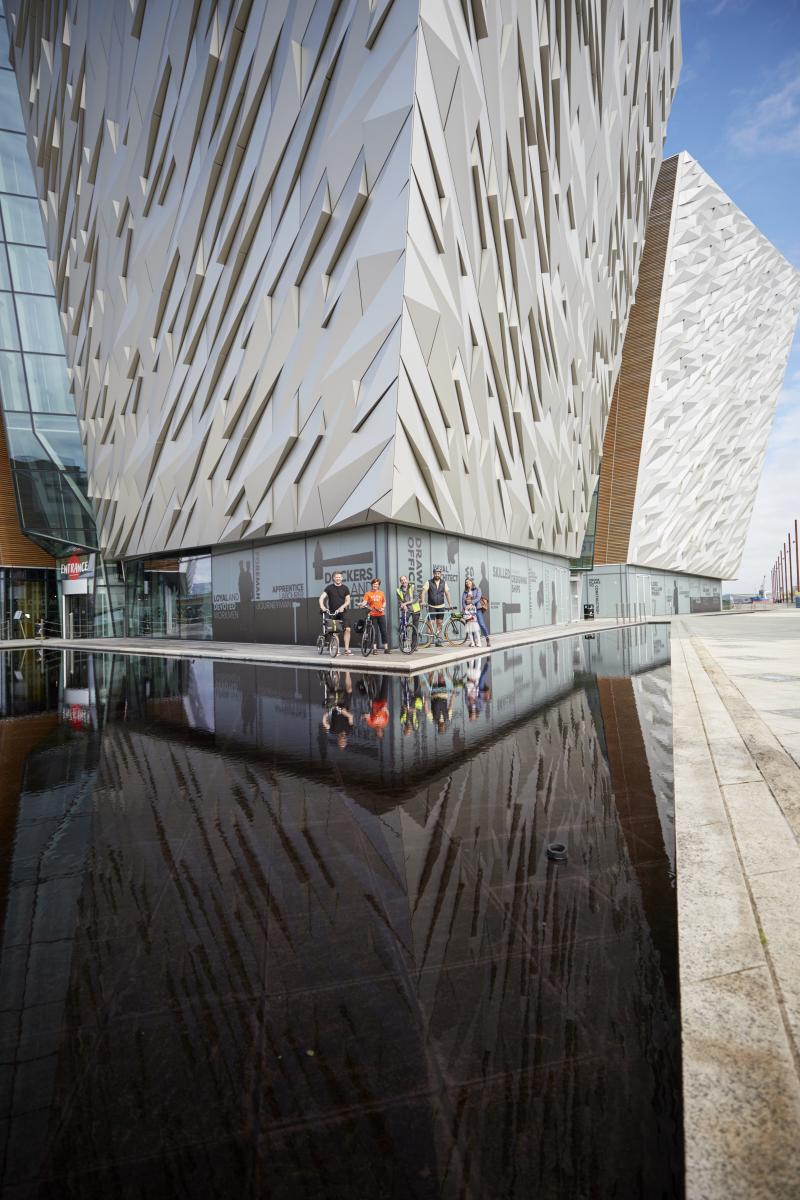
(454, 631)
(368, 636)
(407, 633)
(329, 638)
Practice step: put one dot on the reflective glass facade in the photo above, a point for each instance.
(28, 596)
(44, 443)
(170, 597)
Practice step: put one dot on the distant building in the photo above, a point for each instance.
(704, 358)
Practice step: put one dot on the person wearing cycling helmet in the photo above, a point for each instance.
(436, 594)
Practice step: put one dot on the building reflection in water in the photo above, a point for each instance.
(283, 933)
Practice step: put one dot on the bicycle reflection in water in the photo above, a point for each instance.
(363, 705)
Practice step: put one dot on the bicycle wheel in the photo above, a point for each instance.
(407, 638)
(368, 639)
(424, 635)
(321, 643)
(333, 645)
(455, 632)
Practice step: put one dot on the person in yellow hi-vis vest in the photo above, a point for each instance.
(406, 593)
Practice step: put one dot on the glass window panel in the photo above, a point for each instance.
(5, 274)
(194, 603)
(22, 219)
(22, 442)
(8, 324)
(10, 107)
(62, 437)
(4, 46)
(16, 174)
(29, 270)
(48, 384)
(40, 328)
(12, 382)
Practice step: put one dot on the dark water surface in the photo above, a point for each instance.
(276, 933)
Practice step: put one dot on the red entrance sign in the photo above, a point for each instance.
(75, 566)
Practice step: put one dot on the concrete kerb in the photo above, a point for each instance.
(308, 658)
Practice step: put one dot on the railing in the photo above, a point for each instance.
(626, 613)
(24, 630)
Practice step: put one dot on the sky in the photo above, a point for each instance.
(737, 111)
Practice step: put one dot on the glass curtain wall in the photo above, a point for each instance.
(44, 442)
(28, 596)
(169, 598)
(586, 560)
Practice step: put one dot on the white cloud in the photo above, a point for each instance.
(771, 124)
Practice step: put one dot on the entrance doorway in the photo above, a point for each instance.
(78, 616)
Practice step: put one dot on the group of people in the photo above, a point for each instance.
(336, 601)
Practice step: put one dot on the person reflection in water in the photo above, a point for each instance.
(485, 682)
(337, 719)
(440, 702)
(413, 705)
(472, 693)
(378, 716)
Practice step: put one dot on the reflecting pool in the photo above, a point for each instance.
(269, 932)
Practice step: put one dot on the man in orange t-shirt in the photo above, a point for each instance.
(375, 602)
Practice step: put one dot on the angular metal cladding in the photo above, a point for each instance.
(327, 264)
(703, 362)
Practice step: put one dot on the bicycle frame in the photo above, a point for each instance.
(407, 644)
(452, 627)
(368, 636)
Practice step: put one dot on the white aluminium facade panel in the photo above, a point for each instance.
(321, 263)
(728, 310)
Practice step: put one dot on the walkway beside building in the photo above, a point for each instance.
(736, 698)
(307, 656)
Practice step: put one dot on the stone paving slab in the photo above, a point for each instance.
(741, 1094)
(737, 800)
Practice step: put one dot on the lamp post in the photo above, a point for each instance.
(789, 559)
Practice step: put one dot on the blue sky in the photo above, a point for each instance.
(737, 111)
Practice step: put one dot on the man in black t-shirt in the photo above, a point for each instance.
(335, 599)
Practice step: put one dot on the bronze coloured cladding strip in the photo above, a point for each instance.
(638, 819)
(19, 736)
(622, 444)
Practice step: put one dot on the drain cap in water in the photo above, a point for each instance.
(557, 851)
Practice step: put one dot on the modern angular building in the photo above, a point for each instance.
(342, 285)
(51, 578)
(44, 510)
(704, 358)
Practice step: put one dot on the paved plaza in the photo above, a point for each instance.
(736, 704)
